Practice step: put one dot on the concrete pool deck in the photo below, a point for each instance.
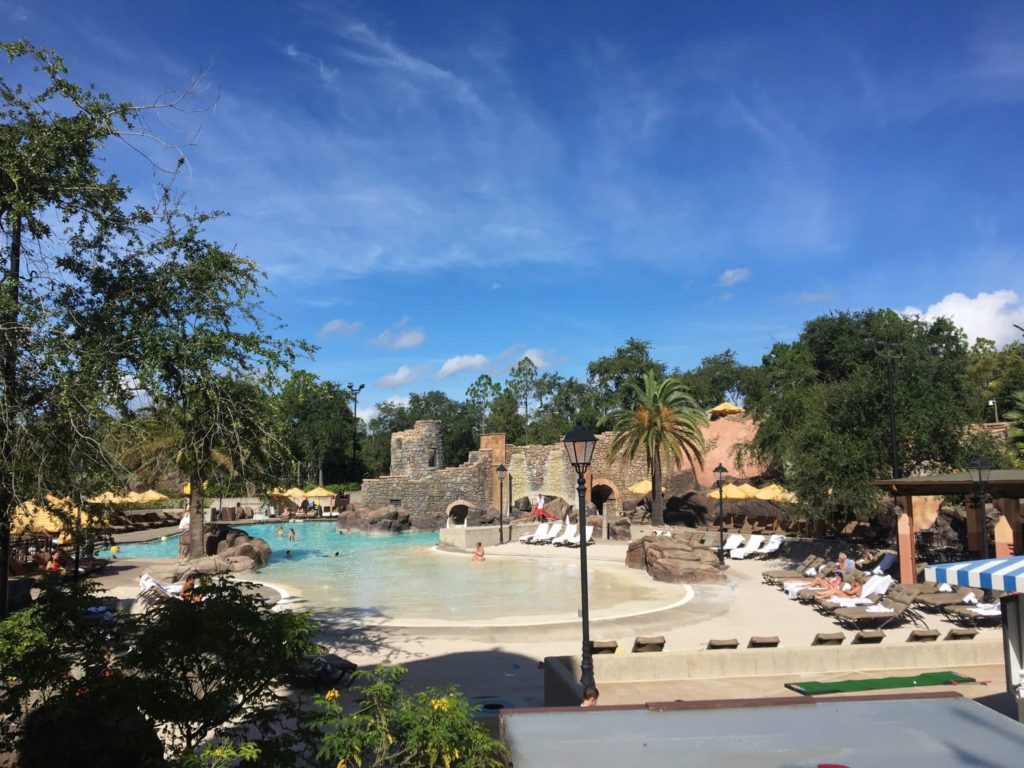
(501, 664)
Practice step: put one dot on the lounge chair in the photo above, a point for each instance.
(936, 601)
(550, 536)
(566, 537)
(872, 590)
(982, 614)
(779, 575)
(528, 538)
(734, 540)
(575, 541)
(770, 547)
(753, 544)
(880, 615)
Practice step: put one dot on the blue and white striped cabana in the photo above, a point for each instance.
(1005, 574)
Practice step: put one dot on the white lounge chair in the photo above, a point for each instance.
(575, 541)
(570, 533)
(734, 540)
(753, 544)
(770, 547)
(550, 536)
(542, 530)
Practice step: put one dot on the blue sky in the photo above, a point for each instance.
(436, 189)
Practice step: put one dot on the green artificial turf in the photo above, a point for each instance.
(880, 683)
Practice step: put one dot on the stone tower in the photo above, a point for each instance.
(417, 450)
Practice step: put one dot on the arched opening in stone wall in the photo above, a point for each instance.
(457, 512)
(605, 496)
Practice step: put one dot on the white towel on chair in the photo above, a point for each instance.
(878, 609)
(945, 588)
(970, 599)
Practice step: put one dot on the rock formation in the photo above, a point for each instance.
(678, 562)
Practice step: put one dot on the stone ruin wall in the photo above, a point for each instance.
(425, 489)
(419, 482)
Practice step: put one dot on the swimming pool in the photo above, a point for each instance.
(399, 577)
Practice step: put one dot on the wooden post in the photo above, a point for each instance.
(973, 528)
(1011, 513)
(905, 535)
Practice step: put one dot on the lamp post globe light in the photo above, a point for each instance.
(720, 471)
(980, 471)
(501, 472)
(579, 444)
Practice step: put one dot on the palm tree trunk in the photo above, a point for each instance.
(657, 503)
(197, 527)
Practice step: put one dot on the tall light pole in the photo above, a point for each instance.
(501, 472)
(980, 470)
(354, 392)
(720, 471)
(579, 444)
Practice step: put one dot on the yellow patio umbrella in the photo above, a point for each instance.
(644, 486)
(133, 497)
(151, 495)
(729, 491)
(318, 493)
(107, 497)
(776, 492)
(295, 493)
(749, 491)
(726, 409)
(31, 516)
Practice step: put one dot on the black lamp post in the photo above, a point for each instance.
(720, 471)
(980, 470)
(501, 471)
(354, 392)
(579, 444)
(510, 506)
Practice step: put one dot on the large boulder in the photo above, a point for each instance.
(557, 508)
(677, 562)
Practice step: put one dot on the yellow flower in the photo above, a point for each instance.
(331, 695)
(341, 763)
(440, 704)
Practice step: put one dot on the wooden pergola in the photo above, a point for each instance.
(1005, 486)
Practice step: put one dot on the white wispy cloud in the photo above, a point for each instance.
(809, 297)
(987, 315)
(338, 327)
(401, 337)
(327, 74)
(733, 277)
(459, 363)
(537, 356)
(401, 377)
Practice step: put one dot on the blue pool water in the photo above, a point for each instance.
(399, 577)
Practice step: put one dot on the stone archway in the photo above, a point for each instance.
(457, 512)
(605, 496)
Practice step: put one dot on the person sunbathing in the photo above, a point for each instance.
(851, 588)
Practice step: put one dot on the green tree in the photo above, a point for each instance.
(199, 344)
(318, 425)
(61, 215)
(479, 396)
(521, 383)
(506, 417)
(717, 378)
(665, 422)
(611, 375)
(822, 404)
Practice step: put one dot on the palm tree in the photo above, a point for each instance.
(665, 422)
